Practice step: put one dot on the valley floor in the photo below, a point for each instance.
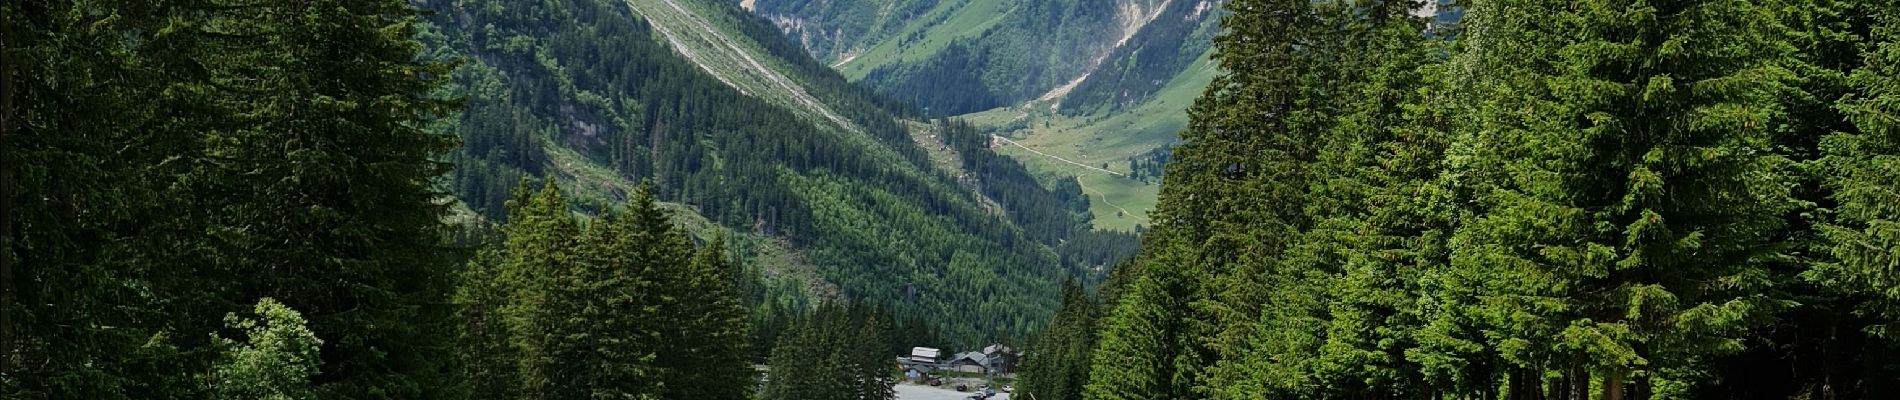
(907, 391)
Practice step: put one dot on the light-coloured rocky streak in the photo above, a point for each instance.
(797, 93)
(673, 39)
(1133, 19)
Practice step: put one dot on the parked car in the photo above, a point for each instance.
(1009, 388)
(963, 387)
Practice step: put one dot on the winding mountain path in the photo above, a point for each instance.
(1104, 196)
(1001, 139)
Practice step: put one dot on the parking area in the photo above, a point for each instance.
(908, 391)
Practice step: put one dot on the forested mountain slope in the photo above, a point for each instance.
(1593, 199)
(962, 56)
(728, 118)
(1094, 83)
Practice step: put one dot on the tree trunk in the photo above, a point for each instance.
(1830, 356)
(1613, 385)
(6, 195)
(1579, 381)
(1524, 385)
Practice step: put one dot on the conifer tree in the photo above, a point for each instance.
(174, 160)
(828, 354)
(1867, 241)
(1056, 366)
(1233, 203)
(601, 311)
(1140, 341)
(871, 365)
(1619, 172)
(316, 182)
(1862, 168)
(706, 353)
(488, 353)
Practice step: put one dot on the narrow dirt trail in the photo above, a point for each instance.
(1000, 138)
(1104, 196)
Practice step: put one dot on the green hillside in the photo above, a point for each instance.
(726, 117)
(1078, 82)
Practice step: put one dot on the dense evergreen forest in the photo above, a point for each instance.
(1550, 200)
(557, 83)
(367, 199)
(331, 199)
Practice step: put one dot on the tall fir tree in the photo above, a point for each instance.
(181, 159)
(1625, 190)
(1863, 171)
(707, 353)
(1056, 365)
(831, 353)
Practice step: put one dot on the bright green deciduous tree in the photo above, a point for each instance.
(274, 361)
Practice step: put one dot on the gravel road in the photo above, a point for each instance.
(906, 391)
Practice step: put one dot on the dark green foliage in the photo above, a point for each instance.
(1149, 166)
(1615, 191)
(1057, 364)
(709, 354)
(170, 162)
(630, 311)
(1570, 200)
(1047, 216)
(1863, 177)
(586, 77)
(1098, 251)
(833, 352)
(949, 83)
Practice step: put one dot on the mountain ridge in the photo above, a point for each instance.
(725, 117)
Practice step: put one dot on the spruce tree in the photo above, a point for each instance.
(831, 354)
(1864, 180)
(487, 350)
(1139, 343)
(1625, 191)
(1374, 218)
(1056, 366)
(174, 160)
(317, 183)
(608, 314)
(870, 364)
(706, 354)
(1862, 168)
